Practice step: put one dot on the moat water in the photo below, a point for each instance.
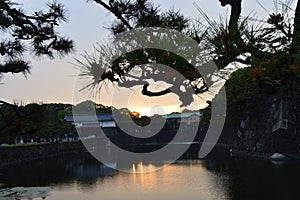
(80, 177)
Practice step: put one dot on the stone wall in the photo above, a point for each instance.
(264, 126)
(17, 154)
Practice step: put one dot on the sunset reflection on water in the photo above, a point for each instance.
(184, 179)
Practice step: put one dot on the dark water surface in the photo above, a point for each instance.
(80, 177)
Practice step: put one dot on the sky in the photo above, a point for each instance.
(53, 80)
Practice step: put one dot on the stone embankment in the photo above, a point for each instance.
(25, 153)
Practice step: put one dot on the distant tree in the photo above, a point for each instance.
(88, 107)
(35, 120)
(22, 120)
(35, 33)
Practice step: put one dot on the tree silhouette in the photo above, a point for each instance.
(37, 29)
(269, 46)
(142, 13)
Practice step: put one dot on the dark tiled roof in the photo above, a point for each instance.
(88, 118)
(182, 115)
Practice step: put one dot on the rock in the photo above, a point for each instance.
(279, 157)
(24, 193)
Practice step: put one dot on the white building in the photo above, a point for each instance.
(90, 121)
(186, 117)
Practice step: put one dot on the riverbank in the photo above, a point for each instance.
(263, 156)
(16, 154)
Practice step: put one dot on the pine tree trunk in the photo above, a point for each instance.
(296, 35)
(236, 9)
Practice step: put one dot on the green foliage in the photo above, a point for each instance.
(143, 121)
(239, 89)
(87, 107)
(35, 120)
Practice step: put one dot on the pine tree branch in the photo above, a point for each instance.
(15, 66)
(148, 93)
(236, 10)
(116, 13)
(8, 104)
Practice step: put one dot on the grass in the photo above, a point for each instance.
(31, 144)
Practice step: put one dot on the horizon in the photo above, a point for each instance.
(145, 111)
